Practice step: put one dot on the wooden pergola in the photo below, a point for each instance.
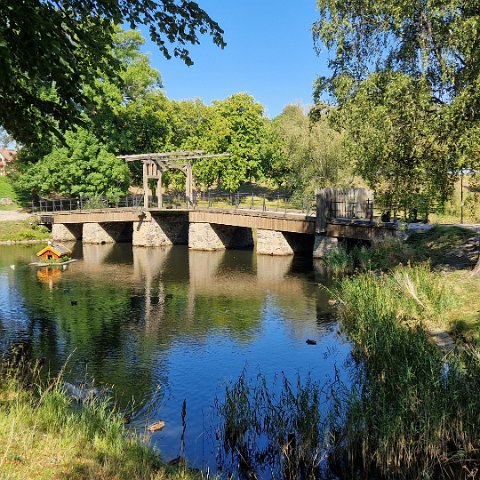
(155, 164)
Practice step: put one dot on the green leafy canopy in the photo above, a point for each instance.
(50, 50)
(404, 79)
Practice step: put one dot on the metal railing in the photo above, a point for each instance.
(214, 200)
(84, 203)
(254, 201)
(377, 211)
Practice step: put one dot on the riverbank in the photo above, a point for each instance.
(22, 231)
(45, 434)
(412, 411)
(448, 253)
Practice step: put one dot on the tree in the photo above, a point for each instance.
(129, 116)
(50, 50)
(392, 136)
(311, 153)
(411, 69)
(81, 167)
(418, 63)
(237, 126)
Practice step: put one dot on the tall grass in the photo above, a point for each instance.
(411, 413)
(276, 429)
(44, 434)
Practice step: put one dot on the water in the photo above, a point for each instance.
(159, 326)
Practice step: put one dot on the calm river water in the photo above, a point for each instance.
(162, 325)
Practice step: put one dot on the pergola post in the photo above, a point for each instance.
(159, 192)
(189, 184)
(145, 186)
(154, 164)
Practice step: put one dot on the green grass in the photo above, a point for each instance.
(6, 191)
(44, 434)
(22, 230)
(451, 211)
(434, 245)
(411, 413)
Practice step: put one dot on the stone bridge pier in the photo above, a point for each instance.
(211, 236)
(107, 232)
(67, 232)
(273, 242)
(161, 231)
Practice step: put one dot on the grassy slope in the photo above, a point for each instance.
(6, 191)
(44, 435)
(436, 246)
(463, 318)
(22, 230)
(451, 211)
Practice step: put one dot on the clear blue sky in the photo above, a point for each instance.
(269, 54)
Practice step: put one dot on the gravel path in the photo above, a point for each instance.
(12, 215)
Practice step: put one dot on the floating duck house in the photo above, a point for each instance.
(53, 251)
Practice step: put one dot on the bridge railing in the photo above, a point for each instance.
(378, 211)
(254, 201)
(86, 203)
(352, 210)
(214, 200)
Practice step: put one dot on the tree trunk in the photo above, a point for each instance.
(476, 270)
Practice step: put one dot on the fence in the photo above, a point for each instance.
(217, 200)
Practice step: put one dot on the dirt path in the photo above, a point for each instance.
(13, 215)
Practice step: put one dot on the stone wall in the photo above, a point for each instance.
(161, 231)
(70, 232)
(107, 232)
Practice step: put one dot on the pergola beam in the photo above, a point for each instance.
(164, 161)
(169, 157)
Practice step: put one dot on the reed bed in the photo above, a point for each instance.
(271, 430)
(410, 412)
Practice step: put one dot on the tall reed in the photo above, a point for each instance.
(271, 428)
(44, 433)
(411, 412)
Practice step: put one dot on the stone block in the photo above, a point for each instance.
(323, 245)
(271, 242)
(66, 232)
